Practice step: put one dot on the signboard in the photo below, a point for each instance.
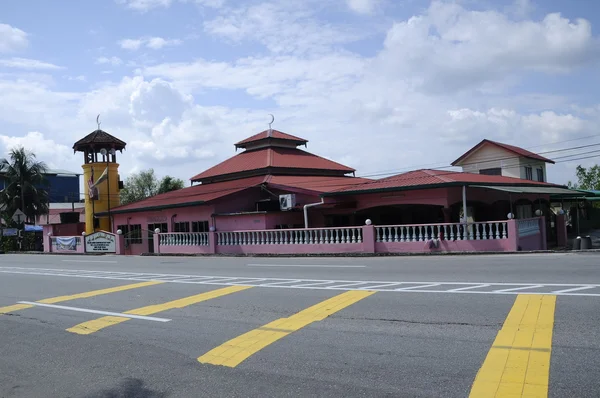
(101, 242)
(18, 216)
(66, 243)
(10, 232)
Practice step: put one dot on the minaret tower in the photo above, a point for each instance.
(101, 177)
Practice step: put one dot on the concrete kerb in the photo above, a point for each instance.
(358, 255)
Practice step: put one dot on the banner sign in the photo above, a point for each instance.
(66, 243)
(101, 242)
(10, 232)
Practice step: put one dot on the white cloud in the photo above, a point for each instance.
(283, 27)
(114, 61)
(144, 5)
(155, 43)
(363, 6)
(26, 63)
(45, 149)
(130, 44)
(12, 39)
(147, 5)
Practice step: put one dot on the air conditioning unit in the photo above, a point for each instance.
(287, 202)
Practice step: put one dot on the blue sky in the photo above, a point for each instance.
(379, 85)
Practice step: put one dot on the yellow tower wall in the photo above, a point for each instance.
(108, 189)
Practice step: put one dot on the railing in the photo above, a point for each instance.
(528, 227)
(312, 236)
(426, 232)
(184, 239)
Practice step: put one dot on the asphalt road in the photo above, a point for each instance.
(278, 327)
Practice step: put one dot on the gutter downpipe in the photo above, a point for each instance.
(464, 203)
(306, 210)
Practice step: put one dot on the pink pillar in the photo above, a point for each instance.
(561, 230)
(544, 242)
(513, 235)
(47, 243)
(120, 247)
(212, 242)
(368, 232)
(156, 242)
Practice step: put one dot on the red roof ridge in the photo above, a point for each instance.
(435, 173)
(276, 134)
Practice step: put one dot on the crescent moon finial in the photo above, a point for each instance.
(270, 123)
(98, 121)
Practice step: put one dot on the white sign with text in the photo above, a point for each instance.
(101, 242)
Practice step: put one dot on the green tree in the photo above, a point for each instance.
(587, 178)
(168, 184)
(26, 184)
(145, 184)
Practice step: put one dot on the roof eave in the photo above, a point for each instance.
(152, 208)
(434, 186)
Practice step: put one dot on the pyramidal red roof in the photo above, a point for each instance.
(511, 148)
(428, 178)
(275, 134)
(267, 159)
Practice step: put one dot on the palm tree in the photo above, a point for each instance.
(25, 182)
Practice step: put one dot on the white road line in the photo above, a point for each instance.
(500, 288)
(306, 265)
(573, 289)
(89, 261)
(78, 309)
(460, 289)
(514, 289)
(400, 289)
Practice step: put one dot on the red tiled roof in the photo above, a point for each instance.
(271, 157)
(427, 177)
(274, 134)
(511, 148)
(316, 183)
(195, 194)
(208, 192)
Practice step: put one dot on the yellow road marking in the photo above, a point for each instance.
(106, 321)
(518, 363)
(54, 300)
(236, 350)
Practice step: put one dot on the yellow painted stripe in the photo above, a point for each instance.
(93, 293)
(518, 363)
(236, 350)
(106, 321)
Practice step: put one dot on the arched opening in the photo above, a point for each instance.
(401, 214)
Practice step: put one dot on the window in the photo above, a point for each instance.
(132, 233)
(183, 226)
(497, 171)
(540, 175)
(199, 226)
(528, 173)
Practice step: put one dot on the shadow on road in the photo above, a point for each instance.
(128, 388)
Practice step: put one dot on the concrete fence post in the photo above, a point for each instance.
(212, 242)
(156, 242)
(513, 235)
(368, 232)
(561, 230)
(544, 242)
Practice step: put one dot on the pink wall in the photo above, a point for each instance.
(241, 222)
(423, 197)
(493, 245)
(291, 249)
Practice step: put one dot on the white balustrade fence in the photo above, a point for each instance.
(426, 232)
(312, 236)
(528, 227)
(184, 239)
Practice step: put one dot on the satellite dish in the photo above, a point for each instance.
(103, 151)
